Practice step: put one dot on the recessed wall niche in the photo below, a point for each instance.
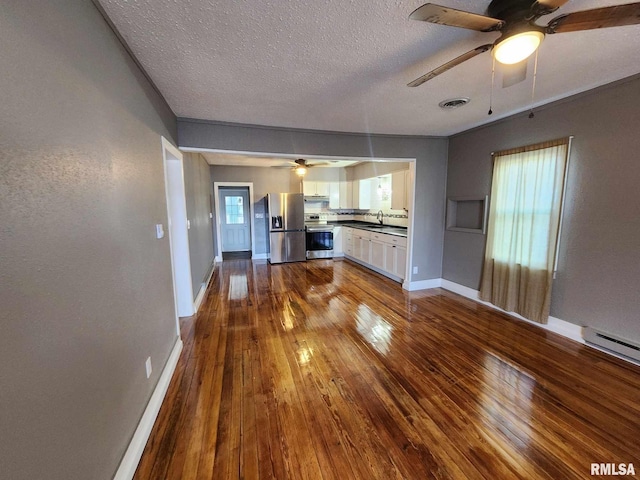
(467, 214)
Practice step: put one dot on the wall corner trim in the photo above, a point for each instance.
(132, 455)
(422, 284)
(555, 325)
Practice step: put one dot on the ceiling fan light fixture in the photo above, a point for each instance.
(516, 48)
(301, 171)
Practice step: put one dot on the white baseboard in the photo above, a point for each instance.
(422, 284)
(556, 325)
(198, 301)
(203, 288)
(259, 256)
(131, 458)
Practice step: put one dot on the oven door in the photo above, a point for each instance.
(319, 242)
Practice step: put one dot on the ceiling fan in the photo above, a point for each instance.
(516, 21)
(301, 165)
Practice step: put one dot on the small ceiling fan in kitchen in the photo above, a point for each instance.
(516, 21)
(301, 165)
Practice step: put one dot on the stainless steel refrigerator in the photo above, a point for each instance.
(286, 227)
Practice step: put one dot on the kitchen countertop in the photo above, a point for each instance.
(372, 227)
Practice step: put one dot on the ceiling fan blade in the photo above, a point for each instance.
(514, 73)
(430, 12)
(449, 65)
(545, 7)
(615, 16)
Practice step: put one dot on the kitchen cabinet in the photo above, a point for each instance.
(384, 253)
(315, 189)
(346, 195)
(347, 243)
(335, 195)
(401, 190)
(361, 245)
(400, 268)
(362, 194)
(378, 253)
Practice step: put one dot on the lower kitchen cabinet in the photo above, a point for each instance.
(362, 245)
(378, 254)
(386, 254)
(395, 259)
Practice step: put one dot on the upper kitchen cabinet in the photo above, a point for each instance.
(401, 190)
(362, 194)
(334, 195)
(354, 195)
(316, 189)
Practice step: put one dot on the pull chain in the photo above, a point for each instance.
(533, 87)
(493, 76)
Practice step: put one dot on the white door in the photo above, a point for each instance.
(235, 224)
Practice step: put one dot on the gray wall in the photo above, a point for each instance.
(430, 153)
(265, 180)
(199, 191)
(599, 276)
(374, 169)
(85, 287)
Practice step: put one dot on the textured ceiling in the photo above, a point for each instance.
(343, 65)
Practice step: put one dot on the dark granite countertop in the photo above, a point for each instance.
(372, 227)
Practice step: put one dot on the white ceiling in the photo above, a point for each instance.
(343, 65)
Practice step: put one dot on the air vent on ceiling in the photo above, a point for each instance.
(453, 103)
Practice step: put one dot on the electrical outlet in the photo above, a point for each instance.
(415, 269)
(147, 365)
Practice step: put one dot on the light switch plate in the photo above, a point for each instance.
(159, 231)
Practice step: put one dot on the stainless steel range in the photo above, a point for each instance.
(319, 236)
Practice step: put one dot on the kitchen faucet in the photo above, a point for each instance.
(380, 216)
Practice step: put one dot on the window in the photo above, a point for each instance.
(524, 220)
(234, 210)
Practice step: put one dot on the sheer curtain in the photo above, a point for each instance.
(524, 218)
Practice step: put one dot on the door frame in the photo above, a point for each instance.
(178, 231)
(216, 199)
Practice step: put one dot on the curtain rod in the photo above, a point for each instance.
(570, 137)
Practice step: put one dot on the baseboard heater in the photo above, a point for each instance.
(612, 342)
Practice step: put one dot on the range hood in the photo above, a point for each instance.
(316, 198)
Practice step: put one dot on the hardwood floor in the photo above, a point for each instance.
(324, 370)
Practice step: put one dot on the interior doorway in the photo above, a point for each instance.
(177, 228)
(235, 236)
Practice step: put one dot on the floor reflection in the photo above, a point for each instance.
(507, 396)
(238, 287)
(304, 355)
(374, 329)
